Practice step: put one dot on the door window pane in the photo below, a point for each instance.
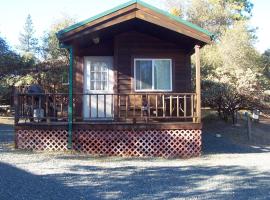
(92, 85)
(104, 76)
(98, 85)
(98, 76)
(103, 85)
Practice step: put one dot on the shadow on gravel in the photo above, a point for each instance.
(213, 145)
(88, 182)
(17, 184)
(6, 131)
(234, 138)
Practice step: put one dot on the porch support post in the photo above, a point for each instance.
(70, 100)
(198, 83)
(70, 95)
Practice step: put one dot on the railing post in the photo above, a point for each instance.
(47, 109)
(198, 83)
(16, 107)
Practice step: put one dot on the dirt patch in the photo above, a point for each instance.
(6, 121)
(237, 134)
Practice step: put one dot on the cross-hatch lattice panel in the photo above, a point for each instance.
(40, 140)
(143, 143)
(148, 143)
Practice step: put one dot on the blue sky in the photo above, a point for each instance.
(45, 12)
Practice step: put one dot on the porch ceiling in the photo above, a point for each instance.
(140, 17)
(86, 40)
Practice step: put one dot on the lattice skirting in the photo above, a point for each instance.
(143, 143)
(39, 140)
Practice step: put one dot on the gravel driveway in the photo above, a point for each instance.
(232, 172)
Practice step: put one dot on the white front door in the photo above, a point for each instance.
(98, 87)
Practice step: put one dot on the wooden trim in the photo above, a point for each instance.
(112, 126)
(99, 21)
(37, 126)
(139, 126)
(198, 83)
(104, 25)
(186, 30)
(140, 12)
(169, 25)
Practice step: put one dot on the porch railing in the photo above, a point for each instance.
(134, 108)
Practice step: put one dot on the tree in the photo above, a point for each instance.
(28, 41)
(265, 59)
(10, 62)
(213, 15)
(232, 75)
(55, 59)
(50, 44)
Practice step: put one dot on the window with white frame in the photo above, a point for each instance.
(153, 74)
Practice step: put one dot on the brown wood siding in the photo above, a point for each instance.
(78, 83)
(104, 48)
(137, 45)
(125, 47)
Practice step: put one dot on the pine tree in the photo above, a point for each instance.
(28, 42)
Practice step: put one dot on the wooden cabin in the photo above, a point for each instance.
(130, 88)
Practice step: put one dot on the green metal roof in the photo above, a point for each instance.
(178, 19)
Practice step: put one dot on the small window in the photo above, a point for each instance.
(153, 74)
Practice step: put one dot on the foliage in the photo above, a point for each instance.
(28, 41)
(266, 72)
(53, 76)
(10, 61)
(233, 76)
(213, 15)
(25, 69)
(233, 67)
(50, 47)
(11, 65)
(223, 97)
(55, 59)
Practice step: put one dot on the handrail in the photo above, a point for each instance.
(135, 93)
(126, 107)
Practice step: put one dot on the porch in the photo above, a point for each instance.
(122, 110)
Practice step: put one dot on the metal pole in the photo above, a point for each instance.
(70, 106)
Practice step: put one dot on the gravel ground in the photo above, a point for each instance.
(225, 171)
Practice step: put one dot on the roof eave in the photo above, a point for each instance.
(62, 34)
